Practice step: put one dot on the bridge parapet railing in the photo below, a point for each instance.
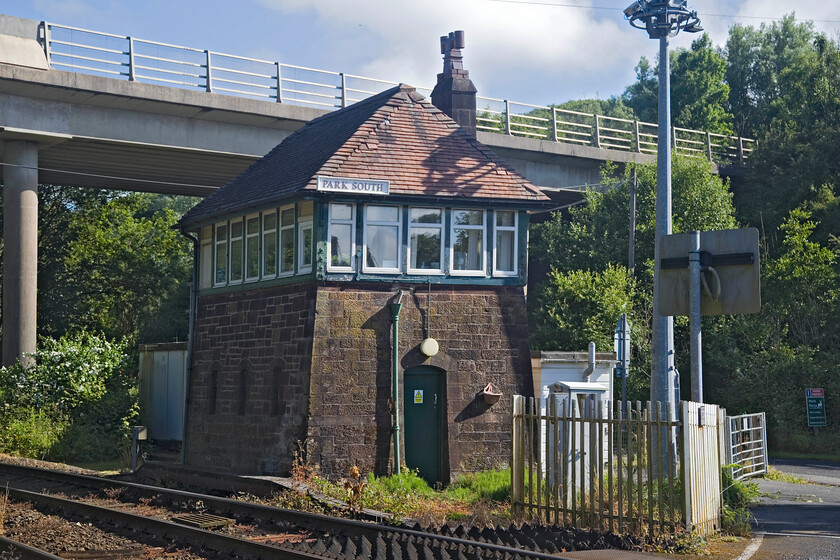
(91, 52)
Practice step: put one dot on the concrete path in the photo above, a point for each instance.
(799, 521)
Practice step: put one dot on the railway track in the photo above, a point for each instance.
(216, 527)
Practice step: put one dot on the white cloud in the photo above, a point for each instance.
(511, 47)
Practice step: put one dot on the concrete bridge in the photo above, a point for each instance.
(143, 116)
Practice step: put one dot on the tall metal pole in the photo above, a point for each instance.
(631, 257)
(694, 318)
(662, 382)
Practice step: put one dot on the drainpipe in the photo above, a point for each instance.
(190, 342)
(395, 383)
(591, 366)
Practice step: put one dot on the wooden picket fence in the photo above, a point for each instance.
(588, 464)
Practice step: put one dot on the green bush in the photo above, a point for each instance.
(737, 497)
(30, 433)
(75, 400)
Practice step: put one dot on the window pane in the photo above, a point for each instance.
(253, 225)
(425, 215)
(306, 257)
(467, 249)
(505, 251)
(505, 219)
(340, 245)
(287, 250)
(383, 214)
(287, 217)
(253, 256)
(270, 253)
(305, 210)
(341, 212)
(236, 229)
(221, 263)
(221, 233)
(269, 221)
(425, 248)
(236, 256)
(468, 217)
(382, 246)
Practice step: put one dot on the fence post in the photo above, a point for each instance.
(709, 145)
(507, 118)
(279, 83)
(209, 73)
(554, 123)
(638, 138)
(674, 138)
(343, 90)
(597, 131)
(740, 150)
(518, 458)
(764, 456)
(47, 40)
(131, 75)
(723, 437)
(683, 443)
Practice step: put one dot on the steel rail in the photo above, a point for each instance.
(16, 549)
(190, 536)
(310, 521)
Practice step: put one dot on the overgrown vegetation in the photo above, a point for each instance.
(778, 83)
(74, 400)
(736, 498)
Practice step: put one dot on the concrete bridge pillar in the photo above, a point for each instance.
(20, 249)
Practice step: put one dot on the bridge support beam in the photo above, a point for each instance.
(20, 249)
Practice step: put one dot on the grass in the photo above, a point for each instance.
(775, 474)
(806, 456)
(481, 498)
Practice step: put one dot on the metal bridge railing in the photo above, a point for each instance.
(117, 56)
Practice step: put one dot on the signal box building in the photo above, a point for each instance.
(384, 212)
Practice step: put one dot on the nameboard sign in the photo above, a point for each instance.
(353, 186)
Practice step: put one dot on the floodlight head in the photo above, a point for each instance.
(632, 9)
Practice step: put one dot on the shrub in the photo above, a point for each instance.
(30, 433)
(85, 395)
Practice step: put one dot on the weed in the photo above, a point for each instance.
(736, 497)
(775, 474)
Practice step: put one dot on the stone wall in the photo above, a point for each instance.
(249, 386)
(277, 366)
(483, 336)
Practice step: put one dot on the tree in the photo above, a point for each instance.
(787, 87)
(580, 306)
(131, 270)
(699, 93)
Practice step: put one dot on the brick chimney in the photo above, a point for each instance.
(454, 93)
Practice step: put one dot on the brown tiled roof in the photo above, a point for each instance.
(397, 136)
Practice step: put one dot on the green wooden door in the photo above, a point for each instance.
(423, 413)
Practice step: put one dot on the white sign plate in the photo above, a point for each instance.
(740, 284)
(353, 186)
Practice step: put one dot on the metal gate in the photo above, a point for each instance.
(746, 445)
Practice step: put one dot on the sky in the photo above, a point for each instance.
(531, 51)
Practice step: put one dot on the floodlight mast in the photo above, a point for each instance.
(663, 19)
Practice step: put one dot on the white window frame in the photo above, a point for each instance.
(352, 223)
(515, 229)
(216, 244)
(231, 239)
(452, 238)
(248, 238)
(280, 229)
(303, 227)
(440, 226)
(263, 233)
(382, 269)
